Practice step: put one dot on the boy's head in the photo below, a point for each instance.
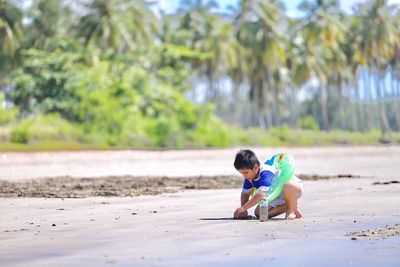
(246, 162)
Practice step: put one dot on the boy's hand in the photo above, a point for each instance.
(240, 213)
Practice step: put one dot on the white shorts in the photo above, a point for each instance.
(279, 200)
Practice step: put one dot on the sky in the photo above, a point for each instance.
(170, 6)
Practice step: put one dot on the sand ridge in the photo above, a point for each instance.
(125, 186)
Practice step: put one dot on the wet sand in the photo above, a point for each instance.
(124, 186)
(348, 221)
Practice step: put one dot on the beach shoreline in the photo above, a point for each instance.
(347, 221)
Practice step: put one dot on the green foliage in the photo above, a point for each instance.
(49, 21)
(39, 85)
(50, 132)
(108, 102)
(308, 123)
(21, 133)
(116, 104)
(127, 106)
(117, 25)
(49, 127)
(46, 146)
(111, 77)
(211, 131)
(10, 31)
(175, 62)
(6, 114)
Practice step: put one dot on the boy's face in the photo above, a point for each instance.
(250, 174)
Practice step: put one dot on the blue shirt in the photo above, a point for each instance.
(264, 180)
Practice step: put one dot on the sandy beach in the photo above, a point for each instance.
(174, 208)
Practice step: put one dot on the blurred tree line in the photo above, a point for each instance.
(113, 72)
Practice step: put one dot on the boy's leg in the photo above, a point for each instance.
(275, 211)
(257, 211)
(291, 192)
(272, 211)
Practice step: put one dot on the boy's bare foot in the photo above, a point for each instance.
(290, 215)
(298, 214)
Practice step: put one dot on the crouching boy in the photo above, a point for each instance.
(261, 176)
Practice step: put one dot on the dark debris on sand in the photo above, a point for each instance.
(123, 186)
(314, 177)
(379, 233)
(385, 183)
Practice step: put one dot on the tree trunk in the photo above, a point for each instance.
(354, 116)
(358, 125)
(396, 97)
(293, 106)
(383, 121)
(324, 106)
(265, 107)
(254, 95)
(383, 101)
(277, 107)
(342, 124)
(234, 105)
(210, 95)
(367, 99)
(270, 93)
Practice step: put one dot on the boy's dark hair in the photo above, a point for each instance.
(245, 158)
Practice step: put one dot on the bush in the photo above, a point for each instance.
(211, 131)
(6, 114)
(21, 132)
(256, 136)
(45, 128)
(308, 123)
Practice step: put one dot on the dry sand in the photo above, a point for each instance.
(347, 221)
(184, 163)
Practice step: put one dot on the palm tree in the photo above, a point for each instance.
(117, 24)
(199, 30)
(224, 50)
(300, 63)
(378, 31)
(273, 26)
(261, 34)
(323, 31)
(395, 68)
(10, 37)
(341, 77)
(10, 30)
(48, 20)
(356, 61)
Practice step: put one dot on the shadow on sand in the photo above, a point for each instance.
(253, 218)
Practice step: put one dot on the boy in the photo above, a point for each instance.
(261, 177)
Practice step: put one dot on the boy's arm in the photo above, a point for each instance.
(247, 204)
(252, 202)
(244, 197)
